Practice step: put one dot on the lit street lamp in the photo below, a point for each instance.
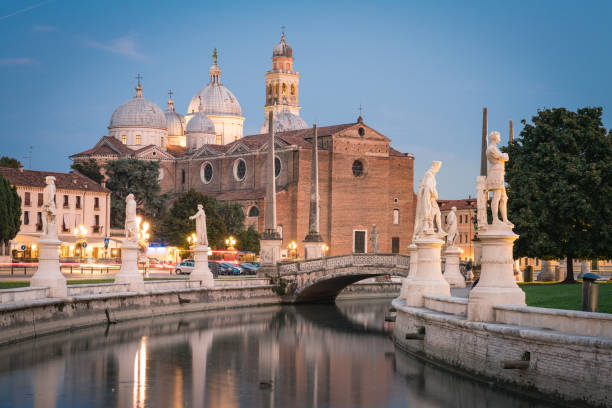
(81, 232)
(230, 242)
(293, 249)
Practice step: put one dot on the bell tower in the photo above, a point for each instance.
(282, 82)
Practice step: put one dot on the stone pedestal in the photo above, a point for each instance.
(129, 267)
(497, 285)
(201, 272)
(452, 274)
(547, 273)
(412, 249)
(313, 250)
(48, 272)
(270, 247)
(428, 279)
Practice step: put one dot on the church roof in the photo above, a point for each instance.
(33, 178)
(107, 146)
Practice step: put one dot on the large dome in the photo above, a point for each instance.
(138, 112)
(282, 49)
(216, 99)
(285, 121)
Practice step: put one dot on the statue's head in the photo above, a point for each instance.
(200, 207)
(494, 137)
(50, 179)
(129, 197)
(453, 209)
(435, 166)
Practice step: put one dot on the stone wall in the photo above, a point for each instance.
(566, 366)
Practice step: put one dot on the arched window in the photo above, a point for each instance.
(124, 139)
(276, 88)
(206, 172)
(284, 88)
(253, 211)
(292, 89)
(183, 176)
(138, 139)
(270, 89)
(288, 69)
(396, 216)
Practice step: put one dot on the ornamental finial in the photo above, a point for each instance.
(215, 54)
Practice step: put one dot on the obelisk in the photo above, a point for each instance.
(271, 241)
(313, 243)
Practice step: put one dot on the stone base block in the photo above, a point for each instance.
(48, 272)
(313, 250)
(128, 273)
(269, 254)
(482, 300)
(428, 278)
(201, 272)
(452, 274)
(414, 290)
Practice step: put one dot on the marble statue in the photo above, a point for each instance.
(200, 220)
(427, 212)
(495, 180)
(451, 222)
(131, 223)
(374, 239)
(49, 209)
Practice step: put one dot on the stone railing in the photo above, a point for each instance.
(394, 262)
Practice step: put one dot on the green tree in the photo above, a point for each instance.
(233, 217)
(560, 187)
(6, 161)
(176, 225)
(10, 212)
(248, 240)
(140, 178)
(90, 169)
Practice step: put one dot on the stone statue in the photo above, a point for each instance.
(495, 179)
(427, 211)
(374, 239)
(215, 55)
(200, 220)
(451, 222)
(50, 211)
(131, 223)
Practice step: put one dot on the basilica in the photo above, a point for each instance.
(363, 180)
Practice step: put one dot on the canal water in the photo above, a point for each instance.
(305, 356)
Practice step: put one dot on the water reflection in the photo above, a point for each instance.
(307, 356)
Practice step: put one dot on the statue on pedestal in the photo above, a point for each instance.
(200, 220)
(495, 180)
(451, 222)
(49, 209)
(374, 239)
(427, 212)
(131, 223)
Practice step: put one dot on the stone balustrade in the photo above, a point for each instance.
(23, 294)
(394, 262)
(446, 304)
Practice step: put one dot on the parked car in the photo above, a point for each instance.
(229, 269)
(249, 268)
(185, 267)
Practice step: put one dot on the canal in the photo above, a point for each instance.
(306, 356)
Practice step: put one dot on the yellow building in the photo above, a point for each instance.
(466, 213)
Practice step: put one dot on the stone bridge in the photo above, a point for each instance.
(320, 280)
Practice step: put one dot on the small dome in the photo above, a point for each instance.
(285, 121)
(282, 49)
(200, 123)
(138, 112)
(174, 120)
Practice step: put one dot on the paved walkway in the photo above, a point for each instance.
(461, 292)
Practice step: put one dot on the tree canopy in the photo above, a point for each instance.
(176, 225)
(248, 240)
(233, 217)
(560, 186)
(90, 169)
(10, 211)
(6, 161)
(140, 178)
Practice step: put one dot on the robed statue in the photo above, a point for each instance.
(374, 239)
(495, 180)
(131, 221)
(200, 220)
(428, 213)
(49, 209)
(451, 223)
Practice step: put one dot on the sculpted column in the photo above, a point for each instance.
(200, 270)
(48, 272)
(313, 243)
(271, 240)
(497, 285)
(428, 278)
(451, 272)
(128, 273)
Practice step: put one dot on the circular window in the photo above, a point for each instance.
(206, 173)
(254, 211)
(277, 166)
(239, 169)
(361, 131)
(358, 168)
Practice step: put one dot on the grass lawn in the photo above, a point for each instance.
(568, 296)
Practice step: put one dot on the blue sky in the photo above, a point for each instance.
(422, 70)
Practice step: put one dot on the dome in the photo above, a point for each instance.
(285, 121)
(215, 98)
(138, 112)
(200, 123)
(282, 49)
(174, 120)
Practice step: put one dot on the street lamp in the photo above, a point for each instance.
(325, 248)
(81, 232)
(292, 248)
(230, 242)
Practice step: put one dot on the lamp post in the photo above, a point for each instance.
(81, 233)
(292, 249)
(325, 248)
(230, 242)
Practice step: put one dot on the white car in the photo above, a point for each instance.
(185, 267)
